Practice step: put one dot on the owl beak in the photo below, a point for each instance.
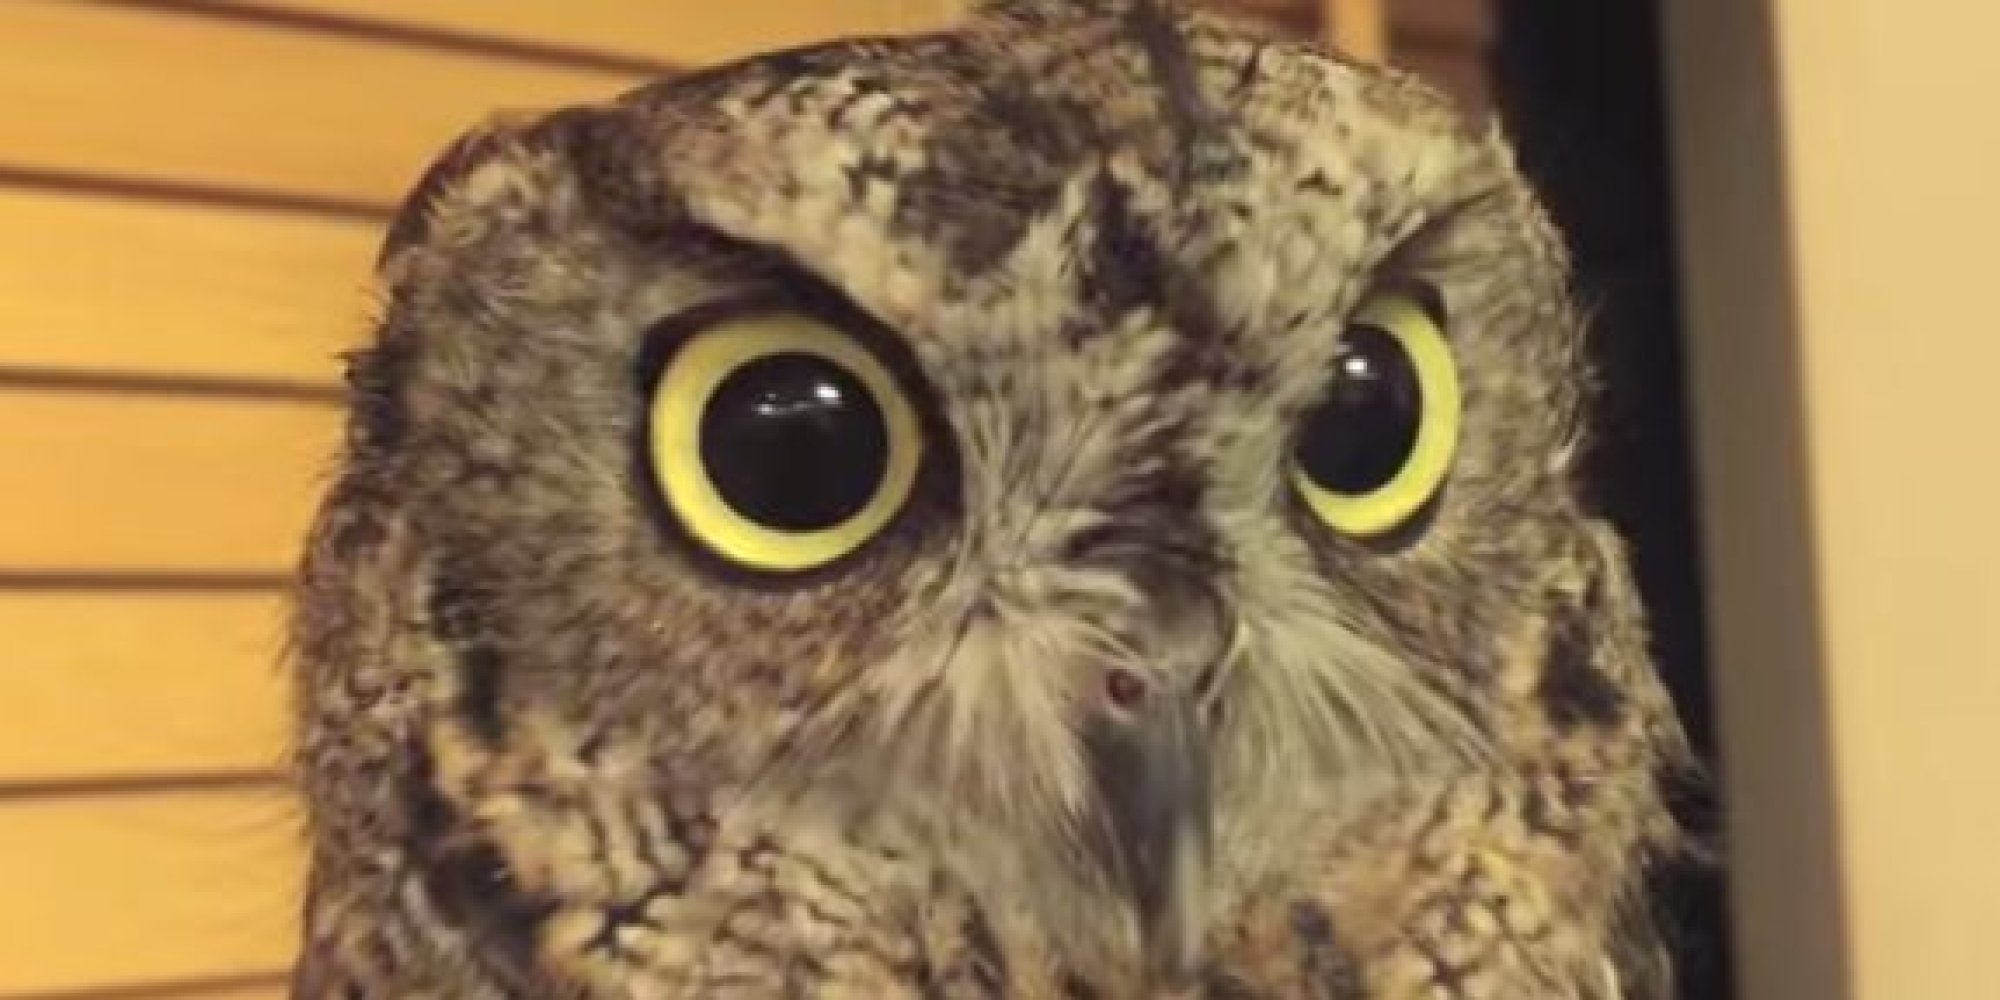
(1152, 772)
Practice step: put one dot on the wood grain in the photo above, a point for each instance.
(190, 198)
(154, 93)
(145, 888)
(115, 482)
(1356, 28)
(137, 285)
(686, 33)
(140, 684)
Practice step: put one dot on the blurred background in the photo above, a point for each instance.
(192, 191)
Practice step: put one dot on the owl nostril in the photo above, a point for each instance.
(1125, 688)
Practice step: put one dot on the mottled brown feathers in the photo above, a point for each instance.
(551, 747)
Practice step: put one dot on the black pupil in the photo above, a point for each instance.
(1359, 437)
(794, 442)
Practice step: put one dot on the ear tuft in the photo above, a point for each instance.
(413, 219)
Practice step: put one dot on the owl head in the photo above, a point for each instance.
(1074, 449)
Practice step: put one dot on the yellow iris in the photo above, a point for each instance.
(685, 462)
(1420, 469)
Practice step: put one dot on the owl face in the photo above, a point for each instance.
(1061, 449)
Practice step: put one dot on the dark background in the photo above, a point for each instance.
(1578, 84)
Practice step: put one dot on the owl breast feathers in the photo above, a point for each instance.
(1081, 505)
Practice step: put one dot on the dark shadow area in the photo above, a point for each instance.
(1579, 86)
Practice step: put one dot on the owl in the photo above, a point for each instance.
(1080, 505)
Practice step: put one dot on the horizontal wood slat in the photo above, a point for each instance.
(274, 986)
(1356, 28)
(108, 482)
(147, 888)
(137, 285)
(271, 985)
(156, 93)
(689, 34)
(140, 684)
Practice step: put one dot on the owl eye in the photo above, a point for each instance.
(780, 442)
(1378, 444)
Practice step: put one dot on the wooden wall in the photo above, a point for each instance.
(190, 196)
